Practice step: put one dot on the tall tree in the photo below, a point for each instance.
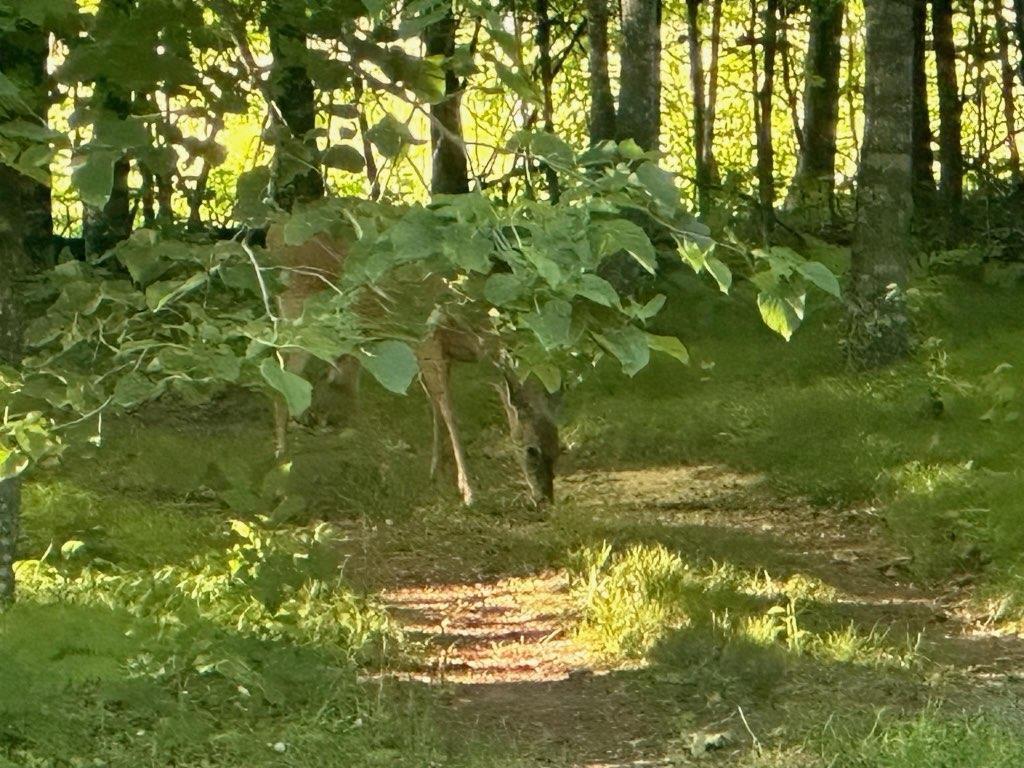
(11, 264)
(711, 110)
(951, 159)
(923, 158)
(294, 96)
(813, 185)
(639, 115)
(763, 111)
(1008, 84)
(547, 77)
(700, 117)
(879, 330)
(23, 54)
(103, 228)
(602, 102)
(449, 167)
(1018, 25)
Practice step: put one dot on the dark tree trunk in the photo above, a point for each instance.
(879, 330)
(1008, 85)
(811, 193)
(103, 228)
(450, 168)
(765, 104)
(295, 99)
(924, 178)
(547, 77)
(1018, 26)
(23, 54)
(10, 512)
(712, 105)
(602, 103)
(639, 116)
(700, 152)
(951, 158)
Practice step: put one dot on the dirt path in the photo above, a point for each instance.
(503, 652)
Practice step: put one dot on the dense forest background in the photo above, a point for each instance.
(738, 465)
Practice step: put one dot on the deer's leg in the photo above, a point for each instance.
(294, 362)
(434, 374)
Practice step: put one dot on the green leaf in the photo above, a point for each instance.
(553, 150)
(778, 314)
(549, 376)
(721, 273)
(296, 391)
(629, 345)
(93, 175)
(610, 237)
(660, 183)
(392, 363)
(669, 345)
(344, 158)
(391, 136)
(651, 308)
(598, 290)
(818, 274)
(502, 289)
(552, 324)
(517, 83)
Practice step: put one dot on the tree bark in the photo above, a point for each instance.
(879, 332)
(23, 55)
(602, 103)
(765, 104)
(812, 190)
(951, 159)
(1018, 26)
(639, 116)
(923, 159)
(10, 512)
(712, 105)
(547, 77)
(699, 106)
(1008, 84)
(450, 167)
(295, 99)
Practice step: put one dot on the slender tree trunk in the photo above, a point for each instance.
(10, 513)
(639, 116)
(950, 108)
(879, 329)
(712, 105)
(813, 187)
(450, 166)
(923, 159)
(547, 77)
(602, 103)
(372, 172)
(295, 99)
(699, 106)
(765, 104)
(1018, 26)
(1008, 85)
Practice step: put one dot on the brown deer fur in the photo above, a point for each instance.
(315, 265)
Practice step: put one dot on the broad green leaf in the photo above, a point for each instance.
(392, 363)
(552, 323)
(629, 345)
(778, 314)
(391, 137)
(553, 150)
(660, 183)
(598, 290)
(502, 289)
(818, 274)
(669, 345)
(93, 175)
(610, 237)
(344, 158)
(296, 391)
(719, 271)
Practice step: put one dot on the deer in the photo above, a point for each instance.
(316, 265)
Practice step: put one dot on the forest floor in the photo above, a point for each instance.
(504, 652)
(760, 560)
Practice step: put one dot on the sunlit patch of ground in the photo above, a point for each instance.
(505, 654)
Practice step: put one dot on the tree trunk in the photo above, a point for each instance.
(712, 105)
(879, 329)
(450, 168)
(602, 103)
(923, 159)
(10, 509)
(951, 159)
(547, 77)
(765, 104)
(23, 55)
(295, 99)
(813, 187)
(639, 116)
(699, 106)
(1018, 25)
(1008, 85)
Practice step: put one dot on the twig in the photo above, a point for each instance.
(754, 739)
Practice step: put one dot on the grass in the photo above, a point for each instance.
(150, 627)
